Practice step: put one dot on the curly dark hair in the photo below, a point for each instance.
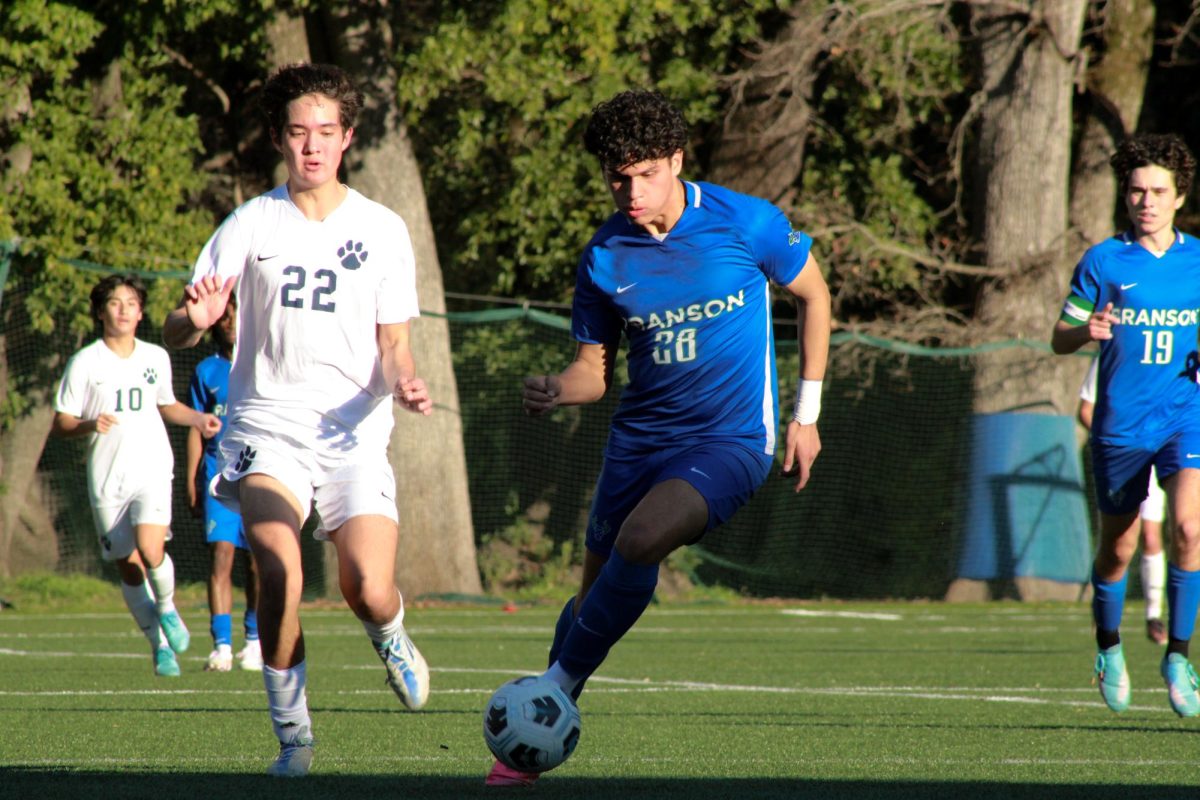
(296, 80)
(1164, 150)
(104, 289)
(633, 126)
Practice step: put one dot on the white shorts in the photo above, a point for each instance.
(337, 483)
(1155, 504)
(116, 524)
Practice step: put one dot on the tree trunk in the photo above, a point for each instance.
(287, 43)
(1116, 86)
(1028, 64)
(761, 147)
(437, 541)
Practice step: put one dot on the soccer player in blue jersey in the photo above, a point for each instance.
(223, 529)
(1138, 295)
(683, 271)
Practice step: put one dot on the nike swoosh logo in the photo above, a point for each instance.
(623, 289)
(1125, 286)
(698, 472)
(1193, 455)
(268, 258)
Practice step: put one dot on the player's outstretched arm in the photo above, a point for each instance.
(177, 413)
(814, 316)
(66, 426)
(399, 370)
(585, 380)
(1068, 338)
(202, 305)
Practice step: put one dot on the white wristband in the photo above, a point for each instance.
(808, 402)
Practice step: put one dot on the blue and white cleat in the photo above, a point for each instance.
(1181, 685)
(295, 756)
(165, 665)
(175, 631)
(407, 672)
(1113, 679)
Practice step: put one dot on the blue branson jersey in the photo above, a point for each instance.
(209, 392)
(695, 307)
(1146, 387)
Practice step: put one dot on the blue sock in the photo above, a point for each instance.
(222, 629)
(1108, 602)
(250, 622)
(565, 618)
(616, 600)
(1183, 595)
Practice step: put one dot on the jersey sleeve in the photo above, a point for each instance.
(197, 397)
(1087, 391)
(72, 390)
(166, 392)
(224, 254)
(593, 320)
(396, 300)
(780, 251)
(1085, 290)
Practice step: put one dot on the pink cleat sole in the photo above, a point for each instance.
(506, 776)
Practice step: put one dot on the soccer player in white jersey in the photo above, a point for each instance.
(326, 285)
(1151, 513)
(682, 271)
(117, 392)
(1138, 295)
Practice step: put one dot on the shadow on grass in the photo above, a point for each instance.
(36, 784)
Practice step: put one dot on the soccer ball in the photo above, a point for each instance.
(531, 724)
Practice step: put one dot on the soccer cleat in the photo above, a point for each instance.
(1156, 631)
(165, 665)
(1181, 685)
(175, 630)
(502, 775)
(407, 672)
(1114, 680)
(295, 756)
(219, 660)
(250, 656)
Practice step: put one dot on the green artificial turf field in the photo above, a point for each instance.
(800, 700)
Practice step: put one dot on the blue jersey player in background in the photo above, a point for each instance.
(1138, 295)
(683, 272)
(223, 528)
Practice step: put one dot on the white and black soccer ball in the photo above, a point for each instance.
(531, 724)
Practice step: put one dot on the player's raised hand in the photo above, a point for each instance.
(105, 422)
(1100, 323)
(204, 301)
(413, 394)
(540, 394)
(803, 446)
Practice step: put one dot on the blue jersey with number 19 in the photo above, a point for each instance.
(695, 307)
(1146, 388)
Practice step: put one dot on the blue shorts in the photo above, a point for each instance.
(220, 524)
(726, 474)
(1123, 473)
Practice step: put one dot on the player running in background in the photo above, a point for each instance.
(117, 392)
(683, 270)
(326, 285)
(223, 530)
(1137, 294)
(1153, 567)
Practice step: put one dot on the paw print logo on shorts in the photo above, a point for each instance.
(352, 255)
(150, 375)
(245, 459)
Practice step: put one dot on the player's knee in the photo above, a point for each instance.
(640, 545)
(1186, 535)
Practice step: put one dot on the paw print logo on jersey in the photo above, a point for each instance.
(151, 376)
(245, 459)
(352, 255)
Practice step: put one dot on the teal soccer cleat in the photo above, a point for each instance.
(175, 631)
(1114, 680)
(165, 665)
(407, 672)
(1181, 685)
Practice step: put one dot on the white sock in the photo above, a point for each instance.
(383, 633)
(162, 581)
(141, 605)
(1154, 579)
(560, 676)
(287, 701)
